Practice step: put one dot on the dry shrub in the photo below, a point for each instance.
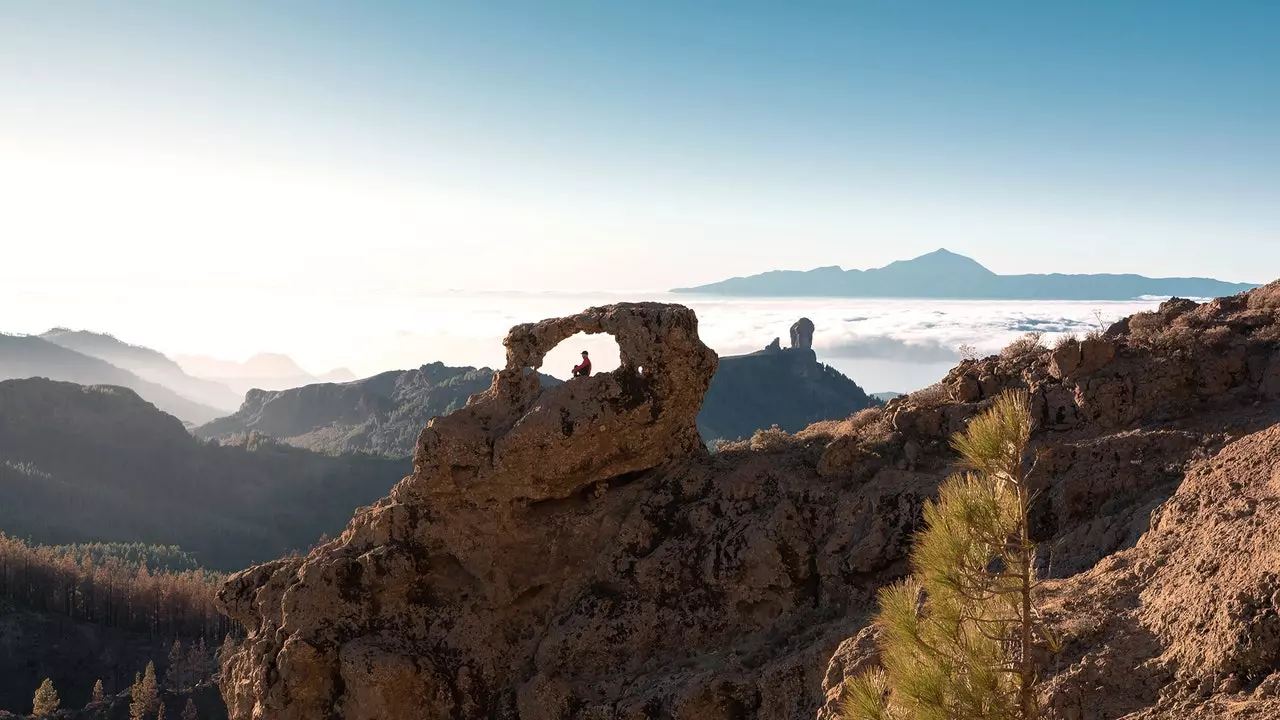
(968, 352)
(774, 439)
(1030, 344)
(877, 428)
(1164, 340)
(1094, 334)
(1269, 333)
(1064, 340)
(1217, 336)
(932, 396)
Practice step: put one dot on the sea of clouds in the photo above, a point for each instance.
(883, 344)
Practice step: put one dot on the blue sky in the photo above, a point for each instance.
(615, 146)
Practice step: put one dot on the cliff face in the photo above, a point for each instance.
(573, 552)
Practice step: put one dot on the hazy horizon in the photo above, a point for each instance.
(150, 147)
(882, 344)
(314, 177)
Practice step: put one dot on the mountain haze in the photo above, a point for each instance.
(147, 364)
(24, 356)
(263, 371)
(947, 275)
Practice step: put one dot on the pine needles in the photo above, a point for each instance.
(958, 634)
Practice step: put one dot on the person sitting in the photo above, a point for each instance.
(584, 368)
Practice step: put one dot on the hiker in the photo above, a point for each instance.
(584, 369)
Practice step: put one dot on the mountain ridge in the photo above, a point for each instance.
(943, 274)
(147, 363)
(31, 356)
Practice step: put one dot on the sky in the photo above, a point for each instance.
(160, 152)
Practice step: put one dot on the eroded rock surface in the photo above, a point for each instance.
(574, 553)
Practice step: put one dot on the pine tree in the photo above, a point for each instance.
(173, 674)
(197, 662)
(958, 635)
(189, 713)
(46, 700)
(99, 694)
(137, 703)
(145, 694)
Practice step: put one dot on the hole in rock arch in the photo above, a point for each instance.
(602, 348)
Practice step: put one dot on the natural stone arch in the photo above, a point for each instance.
(604, 352)
(609, 424)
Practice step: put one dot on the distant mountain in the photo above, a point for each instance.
(385, 413)
(886, 396)
(264, 371)
(786, 387)
(97, 463)
(382, 414)
(944, 274)
(23, 356)
(147, 364)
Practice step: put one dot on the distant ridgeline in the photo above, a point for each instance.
(385, 413)
(382, 414)
(945, 275)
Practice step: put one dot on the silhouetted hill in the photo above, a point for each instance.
(148, 364)
(944, 274)
(382, 414)
(34, 357)
(786, 387)
(97, 463)
(264, 371)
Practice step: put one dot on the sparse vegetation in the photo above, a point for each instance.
(968, 352)
(1031, 343)
(957, 636)
(932, 396)
(771, 440)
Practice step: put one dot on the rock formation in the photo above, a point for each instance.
(802, 334)
(574, 553)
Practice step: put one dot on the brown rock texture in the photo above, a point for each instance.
(574, 552)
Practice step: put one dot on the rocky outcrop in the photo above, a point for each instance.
(572, 552)
(783, 387)
(1187, 623)
(802, 334)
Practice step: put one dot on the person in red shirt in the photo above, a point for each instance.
(584, 368)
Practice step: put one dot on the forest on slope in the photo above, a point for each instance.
(91, 463)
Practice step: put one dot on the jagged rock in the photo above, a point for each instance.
(802, 334)
(536, 567)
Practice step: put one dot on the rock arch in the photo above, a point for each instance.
(609, 424)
